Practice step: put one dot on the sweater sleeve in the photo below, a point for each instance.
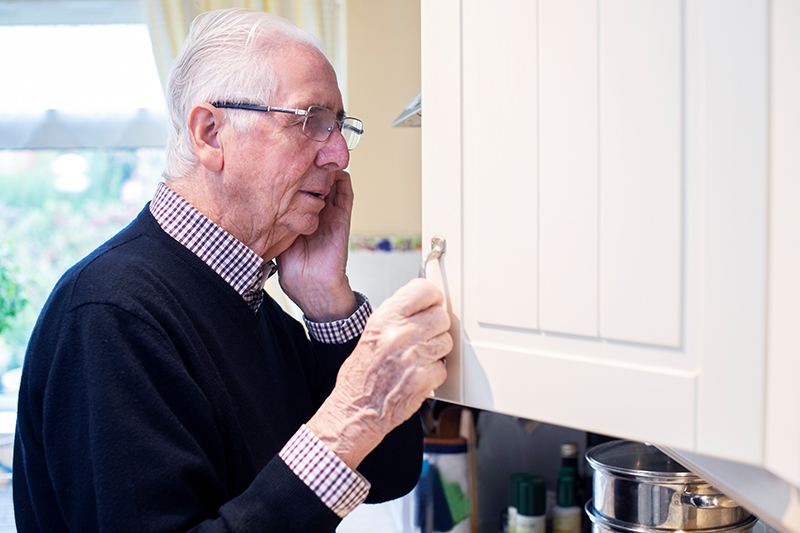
(115, 435)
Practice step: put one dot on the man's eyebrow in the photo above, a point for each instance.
(339, 114)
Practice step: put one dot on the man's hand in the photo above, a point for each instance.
(312, 269)
(395, 366)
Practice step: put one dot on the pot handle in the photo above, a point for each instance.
(707, 501)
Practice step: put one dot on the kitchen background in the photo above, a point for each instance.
(81, 126)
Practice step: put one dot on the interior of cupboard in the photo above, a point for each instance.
(506, 445)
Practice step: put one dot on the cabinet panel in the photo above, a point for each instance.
(568, 185)
(734, 175)
(783, 371)
(621, 400)
(601, 248)
(500, 157)
(640, 171)
(440, 33)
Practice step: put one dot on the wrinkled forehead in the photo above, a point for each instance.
(305, 77)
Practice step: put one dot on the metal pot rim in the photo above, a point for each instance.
(633, 473)
(626, 527)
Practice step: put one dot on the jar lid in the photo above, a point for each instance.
(513, 487)
(569, 450)
(434, 445)
(532, 497)
(637, 460)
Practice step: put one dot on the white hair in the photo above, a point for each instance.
(225, 58)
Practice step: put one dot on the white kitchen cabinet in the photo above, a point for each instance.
(617, 182)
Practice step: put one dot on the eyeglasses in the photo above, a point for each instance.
(318, 122)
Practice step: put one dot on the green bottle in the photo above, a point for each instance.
(513, 498)
(532, 504)
(567, 513)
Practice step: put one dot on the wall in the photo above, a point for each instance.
(383, 63)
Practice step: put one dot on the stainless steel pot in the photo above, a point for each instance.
(603, 524)
(638, 485)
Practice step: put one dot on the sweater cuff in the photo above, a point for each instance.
(339, 487)
(341, 331)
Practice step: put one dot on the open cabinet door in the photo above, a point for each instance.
(441, 157)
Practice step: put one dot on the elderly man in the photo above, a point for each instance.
(163, 390)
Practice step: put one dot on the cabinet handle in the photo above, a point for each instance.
(437, 249)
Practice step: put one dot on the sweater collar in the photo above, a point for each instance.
(243, 269)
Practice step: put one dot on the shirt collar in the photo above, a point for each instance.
(243, 269)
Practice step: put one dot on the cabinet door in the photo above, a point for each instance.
(605, 211)
(441, 163)
(783, 369)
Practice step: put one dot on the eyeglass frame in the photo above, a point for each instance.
(299, 112)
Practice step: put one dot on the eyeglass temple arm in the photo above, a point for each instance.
(351, 127)
(268, 109)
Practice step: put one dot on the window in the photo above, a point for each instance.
(82, 128)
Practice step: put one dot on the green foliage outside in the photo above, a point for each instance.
(12, 295)
(44, 231)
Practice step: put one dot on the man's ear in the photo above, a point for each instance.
(205, 123)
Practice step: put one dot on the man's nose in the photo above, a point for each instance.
(334, 150)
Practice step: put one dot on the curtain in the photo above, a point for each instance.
(169, 22)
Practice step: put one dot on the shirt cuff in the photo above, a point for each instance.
(336, 484)
(341, 331)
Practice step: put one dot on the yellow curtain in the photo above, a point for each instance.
(169, 21)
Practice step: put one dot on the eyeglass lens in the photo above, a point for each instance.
(320, 122)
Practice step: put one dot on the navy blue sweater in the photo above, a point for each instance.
(153, 399)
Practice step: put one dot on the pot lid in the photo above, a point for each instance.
(638, 460)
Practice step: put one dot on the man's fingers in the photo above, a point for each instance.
(343, 182)
(342, 190)
(436, 348)
(398, 359)
(406, 332)
(413, 297)
(436, 373)
(429, 322)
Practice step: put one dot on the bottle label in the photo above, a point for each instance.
(529, 524)
(512, 520)
(567, 523)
